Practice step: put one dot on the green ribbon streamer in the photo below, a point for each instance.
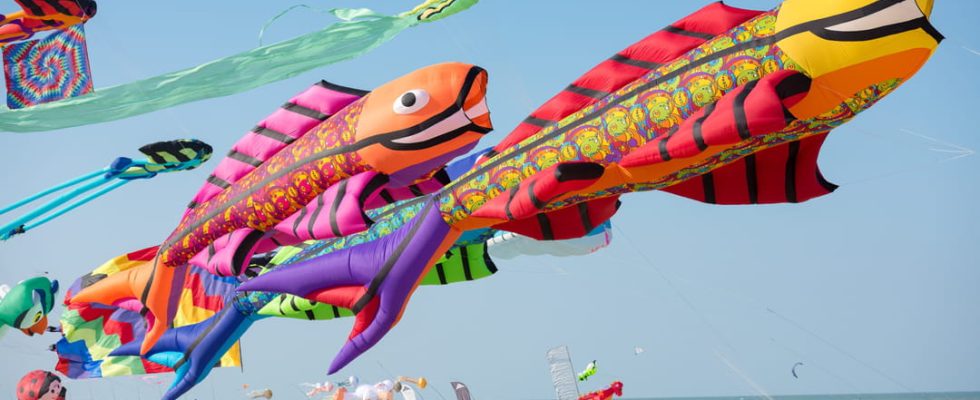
(360, 31)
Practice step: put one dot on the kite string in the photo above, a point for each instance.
(701, 316)
(747, 299)
(283, 13)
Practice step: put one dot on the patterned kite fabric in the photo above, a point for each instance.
(46, 70)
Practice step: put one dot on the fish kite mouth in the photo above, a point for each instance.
(468, 114)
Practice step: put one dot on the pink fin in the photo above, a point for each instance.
(391, 195)
(229, 254)
(290, 122)
(337, 212)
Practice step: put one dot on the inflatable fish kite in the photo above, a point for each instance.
(43, 15)
(725, 106)
(309, 171)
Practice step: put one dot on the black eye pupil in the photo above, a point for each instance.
(408, 99)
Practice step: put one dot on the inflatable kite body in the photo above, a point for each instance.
(309, 171)
(26, 305)
(725, 106)
(162, 157)
(614, 390)
(40, 385)
(589, 370)
(44, 15)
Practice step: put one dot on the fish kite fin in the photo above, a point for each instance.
(193, 350)
(533, 195)
(337, 212)
(291, 121)
(757, 108)
(420, 187)
(631, 63)
(787, 173)
(565, 223)
(376, 279)
(230, 254)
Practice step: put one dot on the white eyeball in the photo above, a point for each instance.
(410, 101)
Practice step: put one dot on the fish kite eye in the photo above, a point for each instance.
(37, 317)
(410, 101)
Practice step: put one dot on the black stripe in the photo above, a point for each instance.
(336, 311)
(545, 224)
(273, 134)
(211, 251)
(793, 85)
(192, 204)
(343, 89)
(304, 111)
(794, 151)
(634, 62)
(697, 132)
(387, 196)
(880, 32)
(299, 220)
(595, 94)
(309, 314)
(34, 9)
(466, 263)
(416, 191)
(679, 31)
(441, 273)
(59, 8)
(292, 303)
(662, 148)
(752, 179)
(216, 181)
(442, 177)
(488, 261)
(583, 214)
(238, 259)
(510, 199)
(378, 279)
(199, 338)
(370, 188)
(827, 185)
(537, 203)
(537, 121)
(334, 207)
(741, 122)
(245, 158)
(708, 184)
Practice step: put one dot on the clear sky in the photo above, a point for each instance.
(874, 287)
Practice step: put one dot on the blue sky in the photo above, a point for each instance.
(874, 287)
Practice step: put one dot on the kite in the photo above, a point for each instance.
(92, 331)
(26, 305)
(43, 15)
(589, 370)
(162, 157)
(793, 370)
(260, 394)
(40, 385)
(462, 391)
(614, 390)
(51, 69)
(360, 31)
(309, 171)
(725, 106)
(313, 390)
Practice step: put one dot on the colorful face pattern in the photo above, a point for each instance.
(277, 189)
(642, 110)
